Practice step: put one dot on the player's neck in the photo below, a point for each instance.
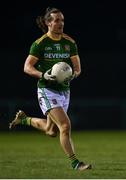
(54, 36)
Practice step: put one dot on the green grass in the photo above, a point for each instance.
(33, 155)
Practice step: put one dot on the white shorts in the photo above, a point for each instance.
(49, 99)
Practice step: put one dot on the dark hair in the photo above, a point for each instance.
(40, 20)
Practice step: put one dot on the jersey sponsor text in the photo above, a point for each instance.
(56, 55)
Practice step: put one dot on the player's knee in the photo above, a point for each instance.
(65, 129)
(51, 134)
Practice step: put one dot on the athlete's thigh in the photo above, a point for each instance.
(59, 116)
(50, 121)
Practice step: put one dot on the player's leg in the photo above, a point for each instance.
(56, 104)
(23, 119)
(63, 123)
(51, 127)
(45, 125)
(45, 97)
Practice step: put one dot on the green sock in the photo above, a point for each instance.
(26, 121)
(74, 160)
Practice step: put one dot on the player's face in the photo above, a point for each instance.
(57, 23)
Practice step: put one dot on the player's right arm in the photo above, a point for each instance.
(29, 66)
(33, 57)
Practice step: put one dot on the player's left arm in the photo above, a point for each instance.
(76, 65)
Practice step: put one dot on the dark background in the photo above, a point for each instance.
(98, 97)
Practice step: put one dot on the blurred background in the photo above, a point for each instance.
(98, 96)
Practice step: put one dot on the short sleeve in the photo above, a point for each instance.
(35, 50)
(74, 49)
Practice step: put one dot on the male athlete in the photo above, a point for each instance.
(54, 46)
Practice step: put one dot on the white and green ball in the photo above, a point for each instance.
(62, 71)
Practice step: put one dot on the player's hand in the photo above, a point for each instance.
(68, 80)
(73, 76)
(47, 75)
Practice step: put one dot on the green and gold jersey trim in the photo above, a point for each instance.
(65, 36)
(68, 38)
(41, 38)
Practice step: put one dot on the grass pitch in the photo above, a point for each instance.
(33, 155)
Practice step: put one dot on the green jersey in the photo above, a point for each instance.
(49, 52)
